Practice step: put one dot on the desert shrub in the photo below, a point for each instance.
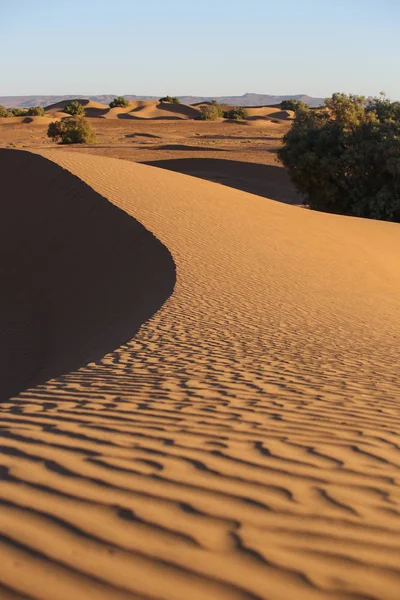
(75, 109)
(170, 99)
(119, 101)
(18, 112)
(3, 111)
(72, 130)
(211, 112)
(36, 111)
(345, 158)
(292, 105)
(236, 113)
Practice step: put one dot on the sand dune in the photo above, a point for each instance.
(153, 110)
(244, 444)
(85, 103)
(264, 180)
(261, 112)
(80, 275)
(92, 109)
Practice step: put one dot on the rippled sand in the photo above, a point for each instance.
(245, 443)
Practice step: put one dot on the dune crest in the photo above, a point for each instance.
(79, 275)
(244, 444)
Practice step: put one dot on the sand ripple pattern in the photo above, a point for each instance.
(245, 444)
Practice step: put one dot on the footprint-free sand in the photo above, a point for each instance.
(244, 444)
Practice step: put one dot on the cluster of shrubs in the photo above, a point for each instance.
(292, 105)
(345, 157)
(72, 130)
(33, 111)
(170, 99)
(214, 111)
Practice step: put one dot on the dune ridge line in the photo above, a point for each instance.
(80, 276)
(243, 444)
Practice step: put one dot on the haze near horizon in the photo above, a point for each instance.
(214, 48)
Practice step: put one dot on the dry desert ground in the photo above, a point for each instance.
(200, 386)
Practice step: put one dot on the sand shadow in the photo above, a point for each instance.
(187, 148)
(79, 276)
(268, 181)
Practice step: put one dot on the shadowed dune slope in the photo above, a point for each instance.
(244, 445)
(264, 180)
(78, 275)
(152, 110)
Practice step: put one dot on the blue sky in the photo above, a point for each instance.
(201, 47)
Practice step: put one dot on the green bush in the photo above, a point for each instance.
(72, 130)
(170, 99)
(4, 112)
(119, 101)
(36, 111)
(345, 158)
(18, 112)
(292, 105)
(75, 109)
(236, 113)
(211, 112)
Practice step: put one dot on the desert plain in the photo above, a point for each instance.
(199, 376)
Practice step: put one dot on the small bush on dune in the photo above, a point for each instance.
(292, 105)
(170, 99)
(345, 158)
(72, 130)
(36, 111)
(236, 113)
(75, 109)
(119, 101)
(4, 113)
(18, 112)
(211, 112)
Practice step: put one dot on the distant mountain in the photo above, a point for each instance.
(252, 99)
(245, 100)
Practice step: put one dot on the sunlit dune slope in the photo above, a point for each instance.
(244, 444)
(150, 109)
(79, 276)
(87, 104)
(92, 109)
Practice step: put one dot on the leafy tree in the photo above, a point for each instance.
(75, 109)
(3, 111)
(72, 130)
(345, 159)
(36, 111)
(119, 101)
(170, 99)
(384, 109)
(348, 109)
(236, 113)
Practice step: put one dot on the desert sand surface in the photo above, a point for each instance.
(240, 155)
(55, 240)
(244, 444)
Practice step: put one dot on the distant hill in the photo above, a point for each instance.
(252, 99)
(245, 100)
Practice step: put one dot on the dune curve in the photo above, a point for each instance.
(244, 444)
(79, 275)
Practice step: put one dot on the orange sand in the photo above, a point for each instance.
(244, 444)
